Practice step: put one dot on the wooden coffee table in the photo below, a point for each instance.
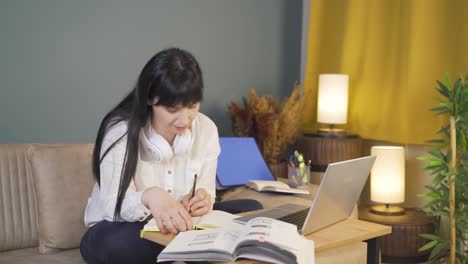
(346, 235)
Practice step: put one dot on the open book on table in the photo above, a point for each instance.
(274, 186)
(213, 219)
(262, 238)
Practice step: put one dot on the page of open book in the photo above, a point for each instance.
(261, 238)
(284, 235)
(217, 219)
(213, 219)
(203, 241)
(275, 186)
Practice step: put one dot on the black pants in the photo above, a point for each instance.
(120, 242)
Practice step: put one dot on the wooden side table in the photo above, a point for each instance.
(322, 148)
(401, 246)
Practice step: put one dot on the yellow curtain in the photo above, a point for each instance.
(394, 51)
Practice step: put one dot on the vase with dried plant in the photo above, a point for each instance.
(273, 123)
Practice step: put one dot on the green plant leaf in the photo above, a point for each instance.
(443, 129)
(440, 212)
(456, 88)
(436, 153)
(431, 166)
(439, 109)
(448, 105)
(428, 158)
(437, 179)
(436, 141)
(428, 245)
(447, 80)
(437, 250)
(442, 169)
(432, 202)
(443, 112)
(429, 187)
(430, 236)
(429, 195)
(437, 162)
(443, 90)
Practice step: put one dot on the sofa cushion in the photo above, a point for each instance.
(18, 228)
(63, 182)
(32, 256)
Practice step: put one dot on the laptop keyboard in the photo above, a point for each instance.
(296, 218)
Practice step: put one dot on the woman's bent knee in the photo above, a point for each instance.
(109, 242)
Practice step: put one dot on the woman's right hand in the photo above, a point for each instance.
(170, 214)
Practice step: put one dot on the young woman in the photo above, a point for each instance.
(148, 150)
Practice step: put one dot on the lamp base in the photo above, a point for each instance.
(387, 210)
(333, 130)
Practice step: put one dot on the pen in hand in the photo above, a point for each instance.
(193, 189)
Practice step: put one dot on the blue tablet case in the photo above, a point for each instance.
(240, 161)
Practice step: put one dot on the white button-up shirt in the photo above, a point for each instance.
(175, 176)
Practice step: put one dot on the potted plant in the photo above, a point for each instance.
(272, 123)
(448, 165)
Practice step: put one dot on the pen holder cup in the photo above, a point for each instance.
(298, 176)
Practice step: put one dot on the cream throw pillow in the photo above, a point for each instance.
(63, 181)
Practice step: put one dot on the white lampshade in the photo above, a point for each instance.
(388, 175)
(332, 107)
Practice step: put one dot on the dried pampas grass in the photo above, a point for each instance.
(272, 123)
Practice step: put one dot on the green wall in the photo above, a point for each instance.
(64, 64)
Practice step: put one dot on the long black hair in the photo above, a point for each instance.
(174, 76)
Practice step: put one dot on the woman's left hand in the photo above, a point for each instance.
(200, 204)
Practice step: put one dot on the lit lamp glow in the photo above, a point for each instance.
(332, 107)
(388, 179)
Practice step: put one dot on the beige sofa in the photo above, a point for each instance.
(43, 193)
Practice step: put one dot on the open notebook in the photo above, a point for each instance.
(214, 219)
(275, 186)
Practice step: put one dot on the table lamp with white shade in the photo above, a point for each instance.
(332, 105)
(329, 144)
(388, 180)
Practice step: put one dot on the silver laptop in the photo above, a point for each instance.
(334, 201)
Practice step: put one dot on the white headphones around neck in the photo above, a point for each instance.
(159, 148)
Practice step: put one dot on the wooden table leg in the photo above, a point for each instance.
(373, 251)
